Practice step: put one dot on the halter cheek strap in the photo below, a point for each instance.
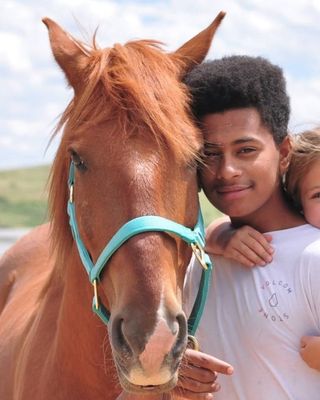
(150, 223)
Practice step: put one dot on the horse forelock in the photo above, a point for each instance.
(130, 86)
(136, 84)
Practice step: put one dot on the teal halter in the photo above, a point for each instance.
(150, 223)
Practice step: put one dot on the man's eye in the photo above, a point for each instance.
(211, 154)
(247, 150)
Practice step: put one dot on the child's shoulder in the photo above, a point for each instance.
(312, 248)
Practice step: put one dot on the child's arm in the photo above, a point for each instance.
(310, 351)
(245, 244)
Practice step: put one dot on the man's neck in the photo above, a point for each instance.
(275, 216)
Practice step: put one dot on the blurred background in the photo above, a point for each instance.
(34, 93)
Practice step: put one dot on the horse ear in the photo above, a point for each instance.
(195, 50)
(69, 54)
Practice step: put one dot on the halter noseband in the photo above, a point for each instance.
(150, 223)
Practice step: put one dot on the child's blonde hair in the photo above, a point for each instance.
(305, 151)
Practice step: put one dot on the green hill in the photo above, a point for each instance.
(23, 198)
(209, 212)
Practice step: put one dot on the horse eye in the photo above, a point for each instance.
(78, 161)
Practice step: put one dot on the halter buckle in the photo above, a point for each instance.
(95, 294)
(71, 193)
(200, 254)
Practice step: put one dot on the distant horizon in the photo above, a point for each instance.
(31, 166)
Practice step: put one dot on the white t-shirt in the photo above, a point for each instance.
(254, 319)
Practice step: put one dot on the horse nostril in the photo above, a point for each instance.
(119, 342)
(182, 338)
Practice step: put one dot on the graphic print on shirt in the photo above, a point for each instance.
(272, 308)
(273, 301)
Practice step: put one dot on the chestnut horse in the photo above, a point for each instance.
(130, 146)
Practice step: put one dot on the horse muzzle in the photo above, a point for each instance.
(148, 359)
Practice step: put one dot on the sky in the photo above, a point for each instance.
(34, 92)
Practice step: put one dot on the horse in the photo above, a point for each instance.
(129, 150)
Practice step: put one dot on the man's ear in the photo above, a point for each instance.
(285, 154)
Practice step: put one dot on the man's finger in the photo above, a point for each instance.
(206, 361)
(195, 386)
(194, 396)
(199, 374)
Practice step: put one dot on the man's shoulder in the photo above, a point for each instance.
(301, 235)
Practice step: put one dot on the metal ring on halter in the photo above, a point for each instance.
(200, 254)
(95, 291)
(193, 343)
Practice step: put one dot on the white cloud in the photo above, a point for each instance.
(305, 103)
(286, 32)
(12, 53)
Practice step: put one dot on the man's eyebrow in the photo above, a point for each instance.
(210, 144)
(245, 139)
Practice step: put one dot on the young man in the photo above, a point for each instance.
(254, 318)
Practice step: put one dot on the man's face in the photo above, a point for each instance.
(241, 172)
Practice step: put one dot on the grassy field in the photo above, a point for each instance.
(23, 198)
(209, 212)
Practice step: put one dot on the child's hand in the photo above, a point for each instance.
(245, 244)
(310, 351)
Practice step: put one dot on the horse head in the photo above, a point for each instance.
(133, 148)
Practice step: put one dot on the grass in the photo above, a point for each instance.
(23, 198)
(209, 212)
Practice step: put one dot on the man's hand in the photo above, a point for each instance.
(131, 396)
(310, 351)
(198, 375)
(197, 379)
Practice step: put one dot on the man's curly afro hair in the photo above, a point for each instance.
(239, 82)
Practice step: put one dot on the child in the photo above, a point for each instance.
(251, 248)
(303, 176)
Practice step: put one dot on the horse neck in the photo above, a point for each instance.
(81, 342)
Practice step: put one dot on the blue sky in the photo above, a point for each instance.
(33, 90)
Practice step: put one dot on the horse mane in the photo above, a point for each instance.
(137, 88)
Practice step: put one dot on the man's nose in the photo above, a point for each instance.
(228, 168)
